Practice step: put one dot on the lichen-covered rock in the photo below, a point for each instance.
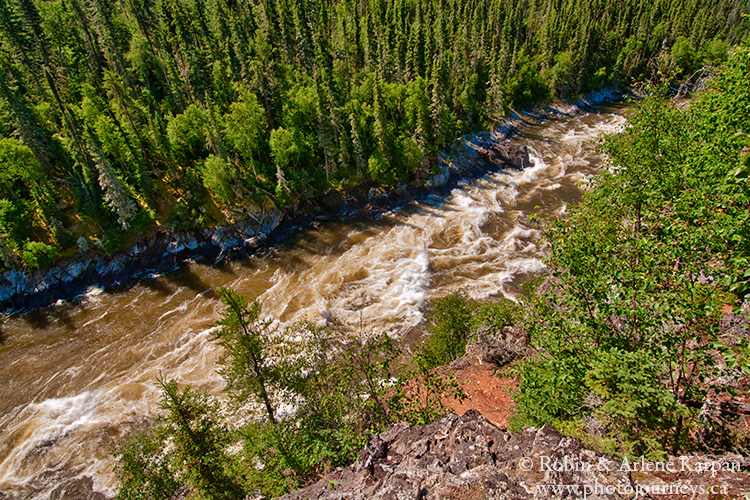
(466, 458)
(493, 346)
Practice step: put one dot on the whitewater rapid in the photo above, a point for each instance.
(77, 376)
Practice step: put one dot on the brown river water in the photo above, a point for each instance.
(75, 375)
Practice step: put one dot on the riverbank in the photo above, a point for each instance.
(470, 156)
(83, 373)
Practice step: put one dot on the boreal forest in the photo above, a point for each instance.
(120, 117)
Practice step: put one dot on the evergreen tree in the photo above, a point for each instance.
(248, 341)
(116, 195)
(199, 438)
(174, 78)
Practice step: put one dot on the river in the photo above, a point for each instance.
(76, 375)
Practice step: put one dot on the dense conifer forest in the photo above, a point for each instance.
(638, 330)
(121, 116)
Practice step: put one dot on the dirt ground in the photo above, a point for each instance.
(488, 392)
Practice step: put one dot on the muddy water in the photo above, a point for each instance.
(75, 375)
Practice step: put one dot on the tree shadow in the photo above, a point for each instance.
(187, 278)
(159, 285)
(41, 319)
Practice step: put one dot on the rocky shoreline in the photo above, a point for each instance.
(470, 156)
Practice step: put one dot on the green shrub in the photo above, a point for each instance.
(423, 393)
(454, 320)
(628, 328)
(637, 408)
(550, 390)
(143, 467)
(39, 255)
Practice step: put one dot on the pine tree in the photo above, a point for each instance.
(116, 195)
(247, 340)
(199, 438)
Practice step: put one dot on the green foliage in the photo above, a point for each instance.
(411, 154)
(550, 390)
(218, 176)
(640, 272)
(245, 126)
(248, 342)
(562, 74)
(716, 51)
(422, 395)
(200, 438)
(18, 165)
(39, 255)
(116, 194)
(26, 209)
(287, 147)
(637, 409)
(14, 222)
(187, 134)
(150, 90)
(454, 320)
(341, 399)
(525, 87)
(379, 168)
(143, 467)
(342, 388)
(683, 55)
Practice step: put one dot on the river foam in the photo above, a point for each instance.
(78, 376)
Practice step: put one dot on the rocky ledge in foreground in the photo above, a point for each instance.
(467, 458)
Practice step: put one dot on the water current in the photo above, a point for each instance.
(75, 375)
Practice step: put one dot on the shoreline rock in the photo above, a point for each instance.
(24, 290)
(472, 155)
(468, 457)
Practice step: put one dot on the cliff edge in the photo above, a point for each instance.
(466, 457)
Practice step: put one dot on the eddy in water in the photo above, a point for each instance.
(77, 375)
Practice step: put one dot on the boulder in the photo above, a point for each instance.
(440, 179)
(519, 157)
(496, 346)
(467, 457)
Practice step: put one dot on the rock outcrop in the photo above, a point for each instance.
(492, 346)
(466, 458)
(477, 153)
(162, 252)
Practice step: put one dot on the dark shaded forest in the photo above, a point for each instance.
(119, 117)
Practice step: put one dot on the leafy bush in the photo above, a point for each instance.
(39, 255)
(640, 272)
(637, 409)
(551, 390)
(454, 319)
(422, 396)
